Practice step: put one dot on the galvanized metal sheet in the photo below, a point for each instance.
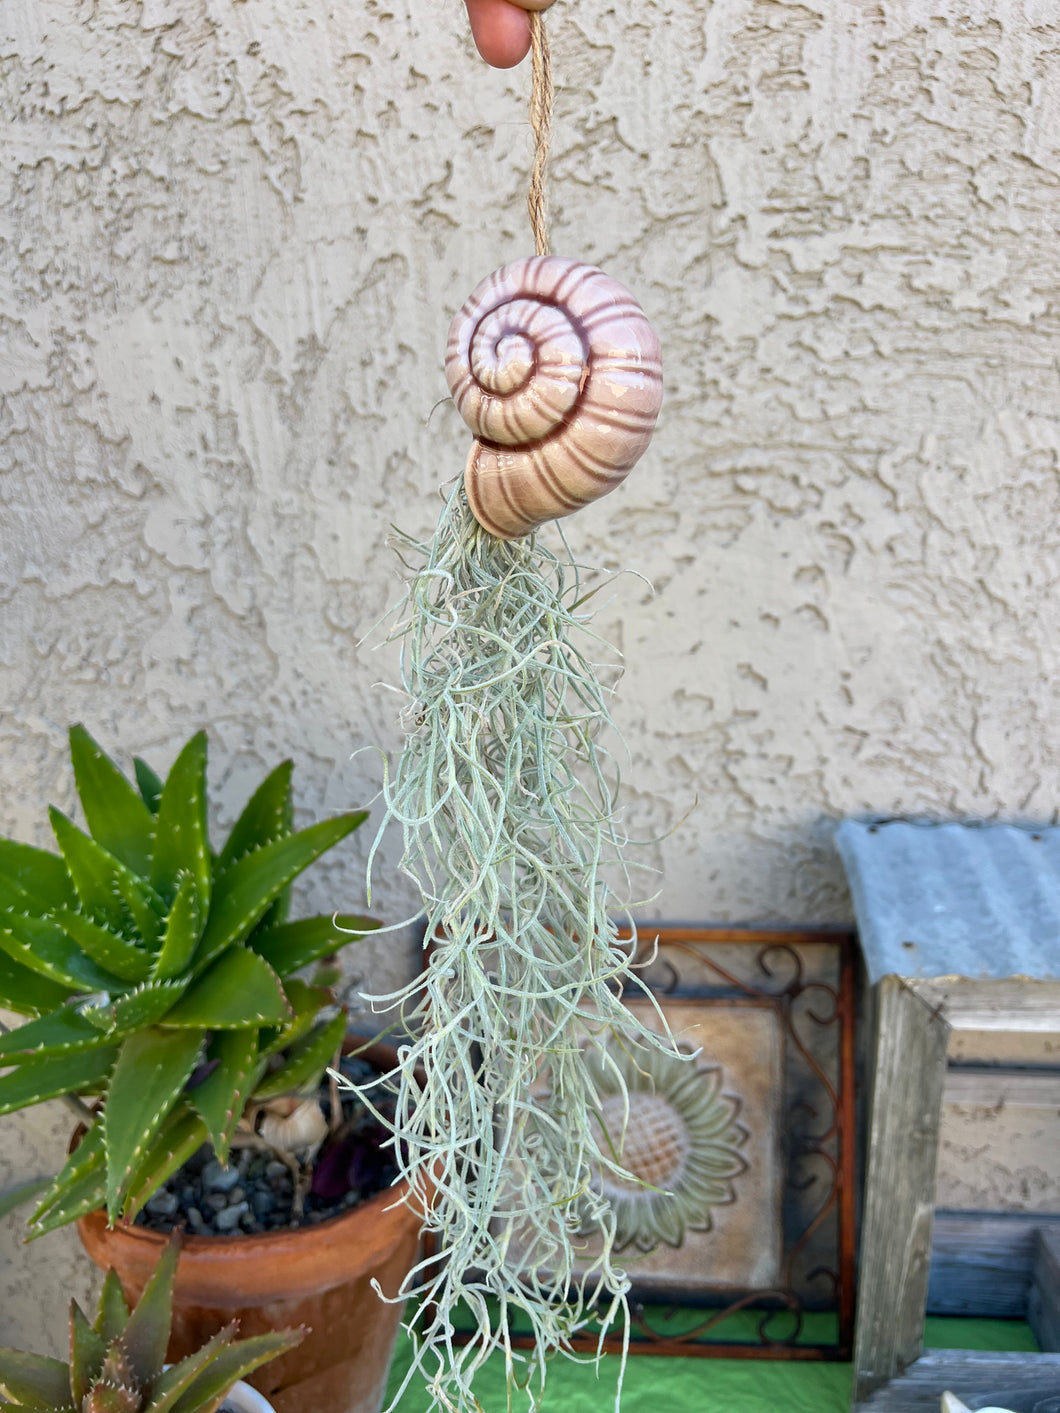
(954, 899)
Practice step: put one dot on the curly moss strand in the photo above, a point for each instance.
(508, 825)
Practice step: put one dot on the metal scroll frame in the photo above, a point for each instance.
(834, 1144)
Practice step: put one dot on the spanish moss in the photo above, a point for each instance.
(507, 805)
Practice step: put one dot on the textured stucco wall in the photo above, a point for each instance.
(231, 235)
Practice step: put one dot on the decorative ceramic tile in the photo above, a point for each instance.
(720, 1220)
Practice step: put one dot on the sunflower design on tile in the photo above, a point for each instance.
(678, 1139)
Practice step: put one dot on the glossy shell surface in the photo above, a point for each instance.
(556, 370)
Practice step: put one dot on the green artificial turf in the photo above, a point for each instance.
(673, 1385)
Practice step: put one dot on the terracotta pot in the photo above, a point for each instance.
(317, 1276)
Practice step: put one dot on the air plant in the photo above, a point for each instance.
(117, 1361)
(506, 802)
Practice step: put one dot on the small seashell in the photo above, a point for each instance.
(556, 370)
(303, 1125)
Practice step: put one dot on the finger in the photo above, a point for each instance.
(532, 4)
(501, 31)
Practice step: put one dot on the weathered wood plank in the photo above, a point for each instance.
(1043, 1302)
(1015, 1381)
(991, 1087)
(1010, 1004)
(1023, 1049)
(999, 1141)
(982, 1262)
(907, 1084)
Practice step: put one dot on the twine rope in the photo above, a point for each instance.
(541, 94)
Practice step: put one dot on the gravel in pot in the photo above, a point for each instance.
(263, 1190)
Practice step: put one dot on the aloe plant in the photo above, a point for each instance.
(117, 1362)
(159, 975)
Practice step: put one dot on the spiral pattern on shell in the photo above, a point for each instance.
(556, 370)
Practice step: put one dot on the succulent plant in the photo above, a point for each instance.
(117, 1362)
(159, 975)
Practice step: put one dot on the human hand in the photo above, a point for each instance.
(501, 29)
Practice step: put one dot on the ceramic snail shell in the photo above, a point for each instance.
(555, 369)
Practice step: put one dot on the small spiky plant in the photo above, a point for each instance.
(159, 974)
(117, 1363)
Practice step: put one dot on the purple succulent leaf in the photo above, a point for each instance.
(330, 1180)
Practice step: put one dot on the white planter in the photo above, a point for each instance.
(952, 1404)
(244, 1399)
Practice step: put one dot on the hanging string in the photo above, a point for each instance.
(541, 124)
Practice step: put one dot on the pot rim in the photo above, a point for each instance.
(383, 1055)
(292, 1261)
(302, 1260)
(393, 1196)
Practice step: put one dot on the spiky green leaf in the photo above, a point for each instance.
(147, 1333)
(14, 899)
(301, 1071)
(62, 1033)
(37, 1080)
(183, 930)
(145, 908)
(181, 845)
(43, 947)
(307, 1002)
(295, 944)
(221, 1097)
(115, 813)
(148, 783)
(265, 818)
(77, 1198)
(182, 1133)
(175, 1381)
(111, 951)
(113, 1313)
(37, 1384)
(111, 1396)
(269, 815)
(81, 1197)
(92, 870)
(87, 1158)
(87, 1352)
(233, 1362)
(40, 1407)
(22, 1192)
(239, 990)
(243, 893)
(109, 892)
(145, 1006)
(32, 878)
(26, 991)
(148, 1078)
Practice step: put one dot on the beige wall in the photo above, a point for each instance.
(232, 233)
